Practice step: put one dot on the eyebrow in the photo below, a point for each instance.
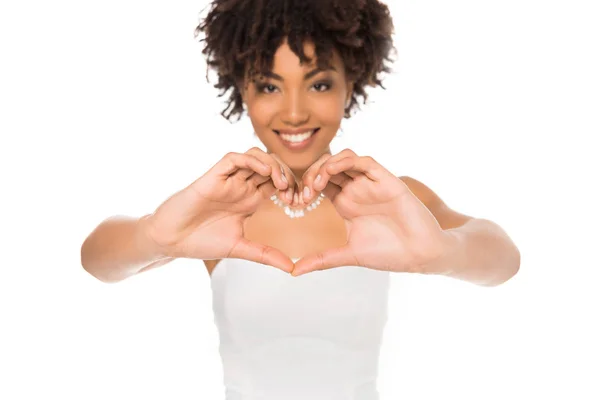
(308, 75)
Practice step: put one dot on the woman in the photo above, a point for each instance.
(299, 243)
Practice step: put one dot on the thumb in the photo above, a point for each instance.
(332, 258)
(262, 254)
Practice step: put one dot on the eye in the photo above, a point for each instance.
(266, 88)
(323, 86)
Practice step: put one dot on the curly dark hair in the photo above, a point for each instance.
(242, 36)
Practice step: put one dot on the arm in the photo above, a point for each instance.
(119, 248)
(481, 252)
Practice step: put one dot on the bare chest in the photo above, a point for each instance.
(318, 230)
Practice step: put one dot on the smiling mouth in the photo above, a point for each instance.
(297, 137)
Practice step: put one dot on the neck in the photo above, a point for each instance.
(299, 172)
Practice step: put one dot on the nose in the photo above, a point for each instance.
(295, 111)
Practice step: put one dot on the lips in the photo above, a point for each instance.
(294, 139)
(295, 131)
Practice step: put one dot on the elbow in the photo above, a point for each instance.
(88, 267)
(513, 266)
(512, 261)
(83, 258)
(516, 265)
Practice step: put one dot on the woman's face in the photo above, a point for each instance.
(296, 110)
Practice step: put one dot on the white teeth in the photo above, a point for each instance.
(296, 138)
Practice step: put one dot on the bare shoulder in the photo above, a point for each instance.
(427, 196)
(446, 217)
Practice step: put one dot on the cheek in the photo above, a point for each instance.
(261, 117)
(329, 111)
(262, 111)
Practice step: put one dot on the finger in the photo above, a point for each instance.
(258, 180)
(325, 176)
(334, 186)
(244, 174)
(261, 254)
(277, 172)
(351, 167)
(288, 195)
(342, 154)
(307, 190)
(232, 162)
(349, 172)
(331, 191)
(337, 257)
(267, 189)
(341, 179)
(356, 165)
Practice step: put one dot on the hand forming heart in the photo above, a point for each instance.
(388, 227)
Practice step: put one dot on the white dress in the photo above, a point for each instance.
(316, 336)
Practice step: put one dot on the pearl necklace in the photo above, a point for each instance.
(297, 213)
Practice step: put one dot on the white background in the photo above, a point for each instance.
(104, 110)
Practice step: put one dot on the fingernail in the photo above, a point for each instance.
(318, 178)
(290, 194)
(283, 178)
(295, 198)
(306, 193)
